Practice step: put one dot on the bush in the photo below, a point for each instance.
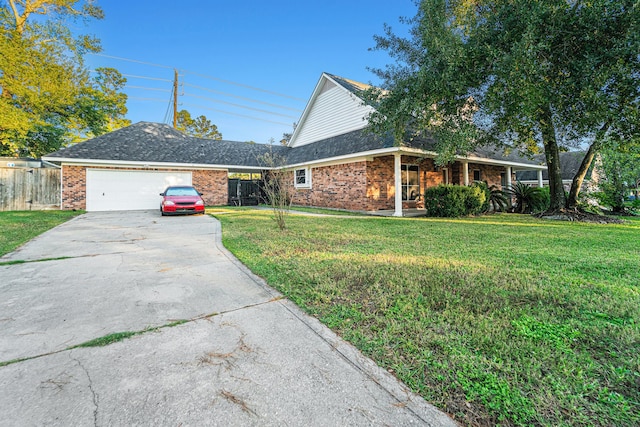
(529, 199)
(454, 200)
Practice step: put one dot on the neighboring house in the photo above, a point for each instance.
(335, 162)
(570, 162)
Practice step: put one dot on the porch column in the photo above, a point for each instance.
(540, 185)
(398, 183)
(465, 172)
(509, 177)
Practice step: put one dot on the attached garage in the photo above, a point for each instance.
(111, 190)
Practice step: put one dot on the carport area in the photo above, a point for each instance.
(207, 342)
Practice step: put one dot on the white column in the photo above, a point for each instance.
(398, 183)
(509, 177)
(465, 172)
(540, 179)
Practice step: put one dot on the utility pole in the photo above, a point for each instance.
(175, 98)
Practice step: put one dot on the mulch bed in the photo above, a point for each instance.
(571, 215)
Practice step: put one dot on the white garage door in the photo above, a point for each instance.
(116, 190)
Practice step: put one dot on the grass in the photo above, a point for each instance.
(18, 227)
(497, 320)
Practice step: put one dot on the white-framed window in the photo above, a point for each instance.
(410, 182)
(302, 178)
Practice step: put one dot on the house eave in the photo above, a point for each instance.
(146, 165)
(411, 151)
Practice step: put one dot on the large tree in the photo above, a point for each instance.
(48, 98)
(528, 75)
(200, 127)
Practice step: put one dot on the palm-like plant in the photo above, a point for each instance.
(498, 200)
(528, 199)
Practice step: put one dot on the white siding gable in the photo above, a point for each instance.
(333, 110)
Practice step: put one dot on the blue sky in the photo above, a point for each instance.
(275, 50)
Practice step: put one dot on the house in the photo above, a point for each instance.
(570, 162)
(334, 161)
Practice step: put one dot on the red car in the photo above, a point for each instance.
(181, 199)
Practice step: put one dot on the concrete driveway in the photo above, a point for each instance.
(214, 345)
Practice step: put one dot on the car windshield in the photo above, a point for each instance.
(181, 191)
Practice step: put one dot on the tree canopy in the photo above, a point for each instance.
(48, 98)
(200, 127)
(526, 75)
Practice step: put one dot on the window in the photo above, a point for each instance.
(476, 175)
(302, 178)
(410, 182)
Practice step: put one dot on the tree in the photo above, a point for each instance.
(276, 182)
(47, 96)
(525, 75)
(621, 173)
(286, 136)
(200, 127)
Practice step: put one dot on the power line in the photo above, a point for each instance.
(130, 60)
(166, 114)
(239, 115)
(243, 85)
(242, 97)
(147, 78)
(202, 75)
(136, 98)
(240, 106)
(148, 88)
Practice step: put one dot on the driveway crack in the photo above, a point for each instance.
(94, 395)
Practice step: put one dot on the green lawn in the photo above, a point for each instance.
(502, 319)
(18, 227)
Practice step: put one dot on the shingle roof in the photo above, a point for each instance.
(159, 143)
(569, 164)
(351, 85)
(156, 142)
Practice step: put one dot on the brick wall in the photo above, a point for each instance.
(338, 186)
(370, 185)
(74, 187)
(212, 183)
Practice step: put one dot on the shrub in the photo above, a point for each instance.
(454, 200)
(498, 200)
(529, 199)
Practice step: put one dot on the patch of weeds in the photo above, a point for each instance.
(12, 361)
(120, 336)
(560, 336)
(20, 261)
(107, 339)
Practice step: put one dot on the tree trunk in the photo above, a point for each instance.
(552, 154)
(578, 179)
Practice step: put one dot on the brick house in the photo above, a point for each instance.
(334, 162)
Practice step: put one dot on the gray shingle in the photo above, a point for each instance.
(159, 143)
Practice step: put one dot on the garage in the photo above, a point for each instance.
(117, 190)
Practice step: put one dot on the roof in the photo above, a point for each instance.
(147, 142)
(351, 85)
(570, 162)
(154, 143)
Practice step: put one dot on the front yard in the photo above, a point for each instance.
(502, 319)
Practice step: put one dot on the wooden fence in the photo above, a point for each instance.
(29, 189)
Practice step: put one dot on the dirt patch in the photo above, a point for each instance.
(569, 215)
